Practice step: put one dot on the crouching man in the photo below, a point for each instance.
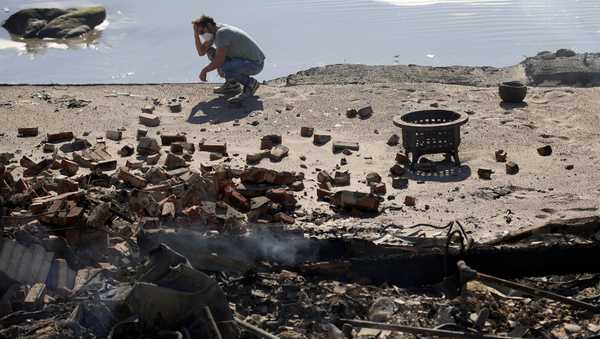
(237, 57)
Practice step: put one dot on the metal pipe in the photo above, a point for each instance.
(467, 274)
(420, 330)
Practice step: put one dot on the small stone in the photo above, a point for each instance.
(114, 135)
(402, 159)
(545, 151)
(289, 107)
(307, 132)
(512, 168)
(373, 178)
(278, 153)
(341, 179)
(148, 109)
(215, 156)
(176, 148)
(351, 113)
(303, 157)
(485, 173)
(27, 132)
(153, 159)
(323, 177)
(253, 159)
(173, 162)
(141, 132)
(365, 112)
(149, 120)
(501, 155)
(565, 53)
(270, 141)
(400, 183)
(394, 140)
(434, 105)
(339, 146)
(175, 107)
(397, 170)
(148, 146)
(378, 188)
(168, 139)
(347, 152)
(126, 150)
(59, 137)
(343, 161)
(321, 139)
(569, 167)
(49, 148)
(410, 201)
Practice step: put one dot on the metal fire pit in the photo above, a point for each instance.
(431, 132)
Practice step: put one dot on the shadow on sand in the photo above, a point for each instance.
(219, 110)
(510, 106)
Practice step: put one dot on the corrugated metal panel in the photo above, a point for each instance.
(27, 265)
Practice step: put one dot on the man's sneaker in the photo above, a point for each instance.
(229, 87)
(251, 90)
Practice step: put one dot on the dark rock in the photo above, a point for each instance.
(358, 200)
(341, 179)
(340, 146)
(126, 150)
(365, 112)
(512, 168)
(397, 170)
(321, 139)
(351, 113)
(269, 141)
(20, 22)
(485, 173)
(545, 151)
(565, 53)
(500, 156)
(410, 201)
(373, 178)
(307, 132)
(400, 183)
(54, 22)
(394, 140)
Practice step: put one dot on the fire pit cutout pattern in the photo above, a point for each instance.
(431, 132)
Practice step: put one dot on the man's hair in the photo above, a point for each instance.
(204, 21)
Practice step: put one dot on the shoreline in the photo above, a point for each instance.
(546, 69)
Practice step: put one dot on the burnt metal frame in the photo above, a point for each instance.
(431, 132)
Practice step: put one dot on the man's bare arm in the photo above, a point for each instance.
(218, 61)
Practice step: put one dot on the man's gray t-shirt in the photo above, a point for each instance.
(238, 43)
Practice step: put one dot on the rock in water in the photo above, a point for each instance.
(54, 22)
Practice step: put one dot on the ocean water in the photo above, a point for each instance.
(152, 40)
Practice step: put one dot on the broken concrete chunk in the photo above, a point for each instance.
(512, 168)
(545, 151)
(269, 141)
(59, 137)
(402, 159)
(104, 166)
(394, 140)
(410, 201)
(69, 168)
(378, 188)
(340, 146)
(141, 132)
(168, 139)
(341, 179)
(365, 112)
(114, 135)
(485, 173)
(149, 109)
(373, 178)
(27, 132)
(126, 150)
(500, 155)
(400, 183)
(321, 139)
(213, 148)
(173, 162)
(278, 153)
(307, 132)
(175, 107)
(153, 159)
(149, 120)
(148, 146)
(323, 177)
(358, 200)
(397, 170)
